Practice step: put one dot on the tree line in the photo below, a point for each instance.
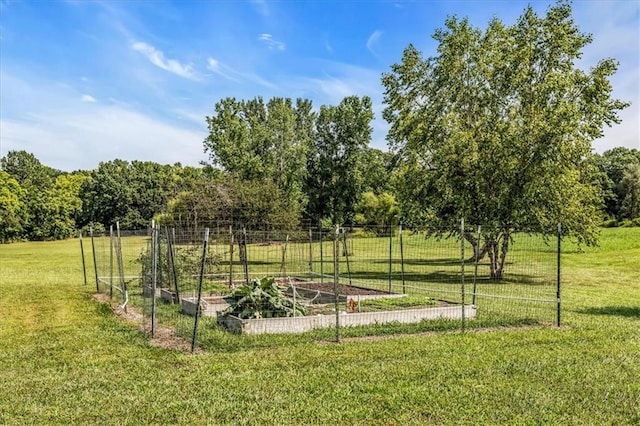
(497, 128)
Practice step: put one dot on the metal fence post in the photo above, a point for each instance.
(202, 264)
(558, 276)
(123, 282)
(95, 264)
(245, 257)
(404, 290)
(390, 254)
(321, 253)
(336, 278)
(171, 238)
(346, 255)
(231, 256)
(84, 266)
(310, 251)
(283, 264)
(111, 261)
(475, 266)
(462, 289)
(154, 275)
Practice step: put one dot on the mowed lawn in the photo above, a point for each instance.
(66, 359)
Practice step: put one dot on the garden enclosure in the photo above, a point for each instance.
(347, 280)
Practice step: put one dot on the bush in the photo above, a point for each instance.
(610, 223)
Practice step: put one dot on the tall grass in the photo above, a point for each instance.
(66, 359)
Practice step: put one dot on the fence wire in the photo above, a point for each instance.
(204, 284)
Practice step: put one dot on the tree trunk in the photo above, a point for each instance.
(498, 248)
(478, 252)
(492, 245)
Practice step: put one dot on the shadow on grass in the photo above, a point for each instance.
(619, 311)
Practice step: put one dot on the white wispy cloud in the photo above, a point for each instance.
(615, 35)
(157, 58)
(88, 99)
(221, 69)
(232, 74)
(65, 134)
(373, 40)
(83, 139)
(271, 42)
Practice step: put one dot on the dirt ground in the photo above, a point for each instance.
(343, 289)
(164, 337)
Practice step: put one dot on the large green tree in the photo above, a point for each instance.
(630, 184)
(335, 181)
(497, 128)
(13, 211)
(129, 193)
(227, 200)
(613, 164)
(36, 180)
(375, 169)
(61, 208)
(265, 143)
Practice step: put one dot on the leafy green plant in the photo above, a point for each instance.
(261, 299)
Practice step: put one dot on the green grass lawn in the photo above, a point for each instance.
(66, 359)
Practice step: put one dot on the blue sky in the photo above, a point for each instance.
(89, 81)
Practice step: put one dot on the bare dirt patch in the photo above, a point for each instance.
(164, 337)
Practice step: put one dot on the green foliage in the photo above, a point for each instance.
(630, 184)
(187, 260)
(614, 164)
(62, 208)
(497, 129)
(50, 199)
(13, 212)
(374, 168)
(267, 143)
(334, 181)
(229, 200)
(377, 211)
(262, 298)
(129, 193)
(106, 372)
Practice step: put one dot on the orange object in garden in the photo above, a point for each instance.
(352, 305)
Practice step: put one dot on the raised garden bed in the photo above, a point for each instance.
(168, 296)
(324, 292)
(209, 305)
(307, 323)
(147, 291)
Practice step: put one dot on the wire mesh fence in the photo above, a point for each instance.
(207, 284)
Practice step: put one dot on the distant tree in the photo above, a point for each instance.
(613, 163)
(630, 184)
(35, 179)
(262, 142)
(13, 212)
(59, 215)
(227, 200)
(128, 193)
(375, 169)
(334, 167)
(497, 129)
(28, 170)
(377, 211)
